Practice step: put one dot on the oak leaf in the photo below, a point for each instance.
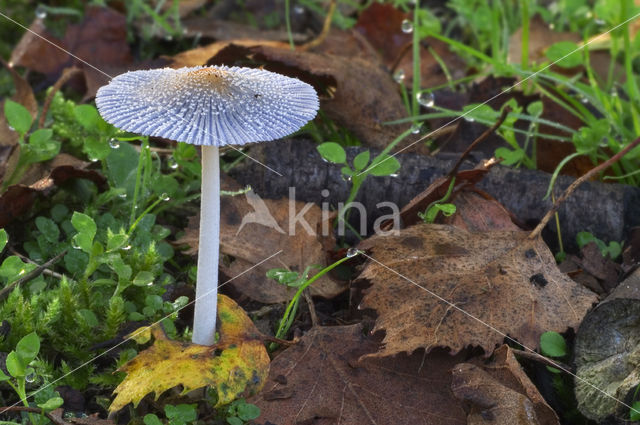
(506, 284)
(241, 367)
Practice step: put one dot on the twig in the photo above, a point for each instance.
(312, 308)
(325, 29)
(480, 139)
(573, 186)
(31, 275)
(30, 261)
(67, 73)
(278, 340)
(532, 355)
(56, 420)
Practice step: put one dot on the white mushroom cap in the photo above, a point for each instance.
(208, 105)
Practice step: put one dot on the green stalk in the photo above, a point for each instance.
(415, 106)
(287, 22)
(136, 189)
(632, 85)
(286, 318)
(524, 46)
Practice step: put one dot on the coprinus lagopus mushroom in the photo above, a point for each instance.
(211, 107)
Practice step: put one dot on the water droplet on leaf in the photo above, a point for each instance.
(406, 26)
(30, 377)
(114, 143)
(352, 252)
(398, 76)
(426, 99)
(41, 12)
(172, 163)
(165, 197)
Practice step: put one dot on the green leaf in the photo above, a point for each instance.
(535, 108)
(557, 52)
(143, 278)
(14, 268)
(28, 347)
(51, 404)
(95, 148)
(283, 276)
(17, 116)
(42, 148)
(180, 414)
(15, 365)
(234, 421)
(4, 238)
(552, 344)
(583, 238)
(509, 157)
(361, 160)
(89, 317)
(116, 240)
(332, 152)
(447, 209)
(248, 411)
(86, 228)
(384, 165)
(151, 419)
(346, 171)
(88, 117)
(634, 413)
(3, 376)
(48, 228)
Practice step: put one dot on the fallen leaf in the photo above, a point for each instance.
(502, 278)
(100, 39)
(381, 25)
(607, 354)
(320, 380)
(39, 180)
(240, 369)
(500, 393)
(354, 93)
(252, 229)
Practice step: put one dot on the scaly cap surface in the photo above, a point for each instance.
(208, 105)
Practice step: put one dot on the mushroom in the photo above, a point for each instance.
(211, 107)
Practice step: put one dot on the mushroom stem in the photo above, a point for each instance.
(204, 318)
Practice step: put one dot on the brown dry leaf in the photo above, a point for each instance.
(477, 211)
(381, 25)
(500, 393)
(320, 380)
(18, 198)
(241, 367)
(100, 39)
(504, 279)
(355, 94)
(252, 229)
(540, 37)
(201, 55)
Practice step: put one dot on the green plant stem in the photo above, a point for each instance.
(415, 106)
(445, 198)
(524, 45)
(137, 188)
(141, 216)
(632, 85)
(287, 22)
(282, 329)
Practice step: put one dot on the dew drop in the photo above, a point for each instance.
(114, 143)
(552, 26)
(122, 195)
(11, 128)
(416, 128)
(168, 37)
(426, 99)
(352, 252)
(614, 92)
(41, 12)
(398, 76)
(298, 10)
(165, 196)
(599, 21)
(172, 163)
(74, 244)
(126, 248)
(469, 118)
(30, 377)
(406, 26)
(150, 283)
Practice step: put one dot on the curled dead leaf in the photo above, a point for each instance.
(240, 369)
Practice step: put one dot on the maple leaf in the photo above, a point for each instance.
(507, 283)
(241, 367)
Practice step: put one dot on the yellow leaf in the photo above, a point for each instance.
(240, 368)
